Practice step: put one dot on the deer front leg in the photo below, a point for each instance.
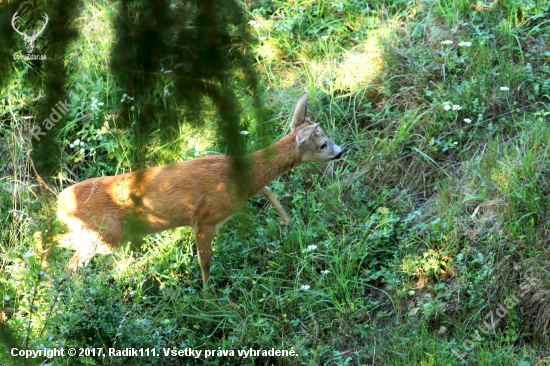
(268, 194)
(203, 238)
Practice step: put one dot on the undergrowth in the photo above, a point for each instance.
(399, 253)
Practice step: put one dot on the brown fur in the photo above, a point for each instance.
(199, 193)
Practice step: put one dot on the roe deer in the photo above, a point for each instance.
(201, 193)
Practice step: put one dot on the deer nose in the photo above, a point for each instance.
(338, 156)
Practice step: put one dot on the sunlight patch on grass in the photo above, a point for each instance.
(268, 51)
(349, 69)
(358, 69)
(97, 35)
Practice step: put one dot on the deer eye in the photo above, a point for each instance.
(323, 146)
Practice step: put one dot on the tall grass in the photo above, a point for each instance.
(437, 212)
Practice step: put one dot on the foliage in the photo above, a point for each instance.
(437, 213)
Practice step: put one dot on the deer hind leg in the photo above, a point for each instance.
(88, 239)
(268, 194)
(203, 238)
(80, 259)
(85, 244)
(61, 240)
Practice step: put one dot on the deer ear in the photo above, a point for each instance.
(304, 133)
(300, 139)
(300, 113)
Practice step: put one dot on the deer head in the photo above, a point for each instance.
(29, 39)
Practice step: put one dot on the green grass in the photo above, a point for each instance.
(396, 253)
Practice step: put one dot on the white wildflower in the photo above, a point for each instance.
(325, 271)
(456, 107)
(100, 104)
(244, 132)
(310, 248)
(504, 88)
(124, 95)
(72, 145)
(255, 24)
(82, 150)
(76, 142)
(467, 120)
(6, 297)
(132, 108)
(464, 44)
(166, 92)
(262, 38)
(305, 287)
(446, 106)
(172, 6)
(447, 42)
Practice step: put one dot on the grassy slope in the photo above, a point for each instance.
(432, 218)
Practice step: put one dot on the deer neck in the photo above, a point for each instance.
(273, 161)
